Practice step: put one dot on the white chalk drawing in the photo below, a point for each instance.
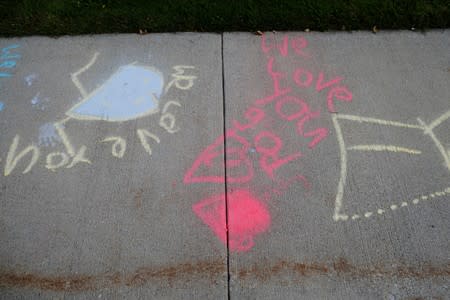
(143, 137)
(118, 147)
(12, 158)
(133, 91)
(167, 120)
(29, 79)
(38, 102)
(181, 80)
(427, 129)
(395, 206)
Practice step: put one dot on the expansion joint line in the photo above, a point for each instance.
(225, 167)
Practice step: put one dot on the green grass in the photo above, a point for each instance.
(58, 17)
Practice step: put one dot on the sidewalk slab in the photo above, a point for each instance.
(97, 133)
(343, 141)
(113, 150)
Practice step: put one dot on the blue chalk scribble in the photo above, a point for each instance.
(2, 105)
(131, 92)
(48, 136)
(6, 54)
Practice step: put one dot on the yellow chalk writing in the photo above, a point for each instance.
(181, 81)
(168, 117)
(64, 159)
(79, 157)
(119, 146)
(12, 158)
(143, 137)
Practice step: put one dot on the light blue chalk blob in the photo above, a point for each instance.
(132, 92)
(2, 105)
(48, 136)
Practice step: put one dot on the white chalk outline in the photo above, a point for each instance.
(387, 148)
(75, 75)
(396, 206)
(427, 130)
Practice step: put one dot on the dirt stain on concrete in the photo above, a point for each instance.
(182, 272)
(138, 198)
(340, 268)
(216, 270)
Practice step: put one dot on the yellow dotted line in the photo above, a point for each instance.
(394, 207)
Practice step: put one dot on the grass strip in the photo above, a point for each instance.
(61, 17)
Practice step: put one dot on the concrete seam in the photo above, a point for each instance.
(225, 169)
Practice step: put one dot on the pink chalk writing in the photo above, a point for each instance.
(298, 44)
(247, 217)
(254, 115)
(303, 108)
(212, 155)
(277, 91)
(320, 85)
(340, 93)
(299, 77)
(283, 47)
(270, 160)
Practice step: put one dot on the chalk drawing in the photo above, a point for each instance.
(79, 157)
(143, 137)
(51, 157)
(268, 145)
(254, 115)
(298, 44)
(428, 130)
(48, 135)
(8, 61)
(388, 148)
(167, 120)
(39, 103)
(29, 79)
(211, 160)
(12, 158)
(394, 207)
(6, 52)
(269, 159)
(119, 146)
(130, 93)
(339, 215)
(83, 69)
(181, 80)
(248, 217)
(276, 78)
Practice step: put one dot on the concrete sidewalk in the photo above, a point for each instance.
(336, 146)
